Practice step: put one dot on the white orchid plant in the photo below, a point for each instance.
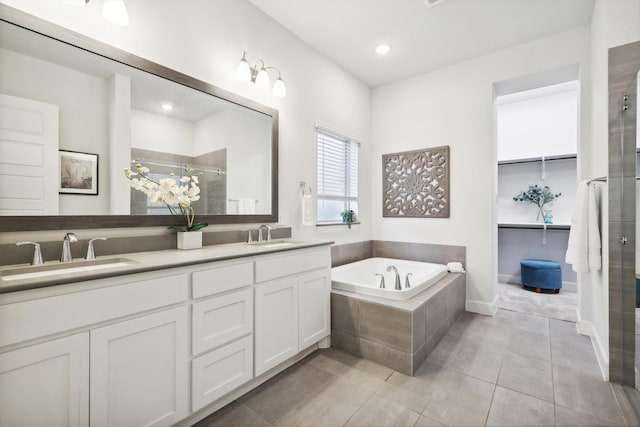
(172, 192)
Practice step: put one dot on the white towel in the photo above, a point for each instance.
(307, 209)
(247, 206)
(584, 247)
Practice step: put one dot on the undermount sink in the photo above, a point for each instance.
(40, 271)
(272, 244)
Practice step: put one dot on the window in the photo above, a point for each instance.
(337, 175)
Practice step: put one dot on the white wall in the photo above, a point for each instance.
(614, 23)
(539, 122)
(161, 133)
(206, 40)
(560, 176)
(82, 99)
(248, 157)
(455, 106)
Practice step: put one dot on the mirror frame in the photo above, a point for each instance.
(59, 222)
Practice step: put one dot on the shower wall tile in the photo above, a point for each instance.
(624, 63)
(619, 165)
(620, 255)
(615, 110)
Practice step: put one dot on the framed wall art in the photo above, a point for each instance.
(78, 173)
(416, 183)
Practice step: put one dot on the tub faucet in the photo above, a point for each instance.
(269, 228)
(381, 280)
(66, 247)
(407, 285)
(395, 270)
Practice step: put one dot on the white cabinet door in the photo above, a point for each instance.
(221, 371)
(276, 323)
(46, 384)
(139, 371)
(314, 307)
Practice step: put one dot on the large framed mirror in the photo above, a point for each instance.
(74, 113)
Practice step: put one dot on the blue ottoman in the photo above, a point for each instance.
(538, 274)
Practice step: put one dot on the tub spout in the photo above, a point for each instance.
(393, 268)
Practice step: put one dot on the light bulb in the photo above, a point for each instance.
(262, 79)
(279, 90)
(383, 49)
(243, 72)
(115, 12)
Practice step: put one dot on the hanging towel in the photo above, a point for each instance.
(307, 208)
(247, 206)
(584, 247)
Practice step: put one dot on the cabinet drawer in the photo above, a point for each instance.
(46, 316)
(220, 320)
(221, 371)
(293, 263)
(221, 279)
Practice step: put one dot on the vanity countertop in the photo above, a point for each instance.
(12, 276)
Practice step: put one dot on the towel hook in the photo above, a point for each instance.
(304, 189)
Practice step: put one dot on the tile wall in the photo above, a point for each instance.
(624, 63)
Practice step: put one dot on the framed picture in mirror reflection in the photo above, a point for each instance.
(78, 173)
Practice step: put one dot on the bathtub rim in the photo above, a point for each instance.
(410, 304)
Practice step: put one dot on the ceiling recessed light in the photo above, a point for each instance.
(383, 49)
(167, 108)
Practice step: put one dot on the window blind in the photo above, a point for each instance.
(337, 175)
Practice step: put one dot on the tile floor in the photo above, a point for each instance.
(508, 370)
(560, 306)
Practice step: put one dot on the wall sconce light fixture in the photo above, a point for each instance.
(258, 75)
(113, 11)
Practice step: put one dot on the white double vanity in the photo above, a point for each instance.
(172, 337)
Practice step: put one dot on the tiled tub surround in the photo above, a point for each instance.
(396, 334)
(424, 252)
(12, 254)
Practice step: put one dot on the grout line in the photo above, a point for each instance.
(486, 419)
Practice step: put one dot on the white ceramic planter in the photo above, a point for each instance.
(189, 239)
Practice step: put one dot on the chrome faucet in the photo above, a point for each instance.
(381, 280)
(393, 268)
(37, 253)
(269, 228)
(406, 281)
(66, 247)
(249, 238)
(91, 254)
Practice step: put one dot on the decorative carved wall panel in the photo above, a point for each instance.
(416, 183)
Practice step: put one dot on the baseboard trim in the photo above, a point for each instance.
(585, 327)
(515, 280)
(481, 307)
